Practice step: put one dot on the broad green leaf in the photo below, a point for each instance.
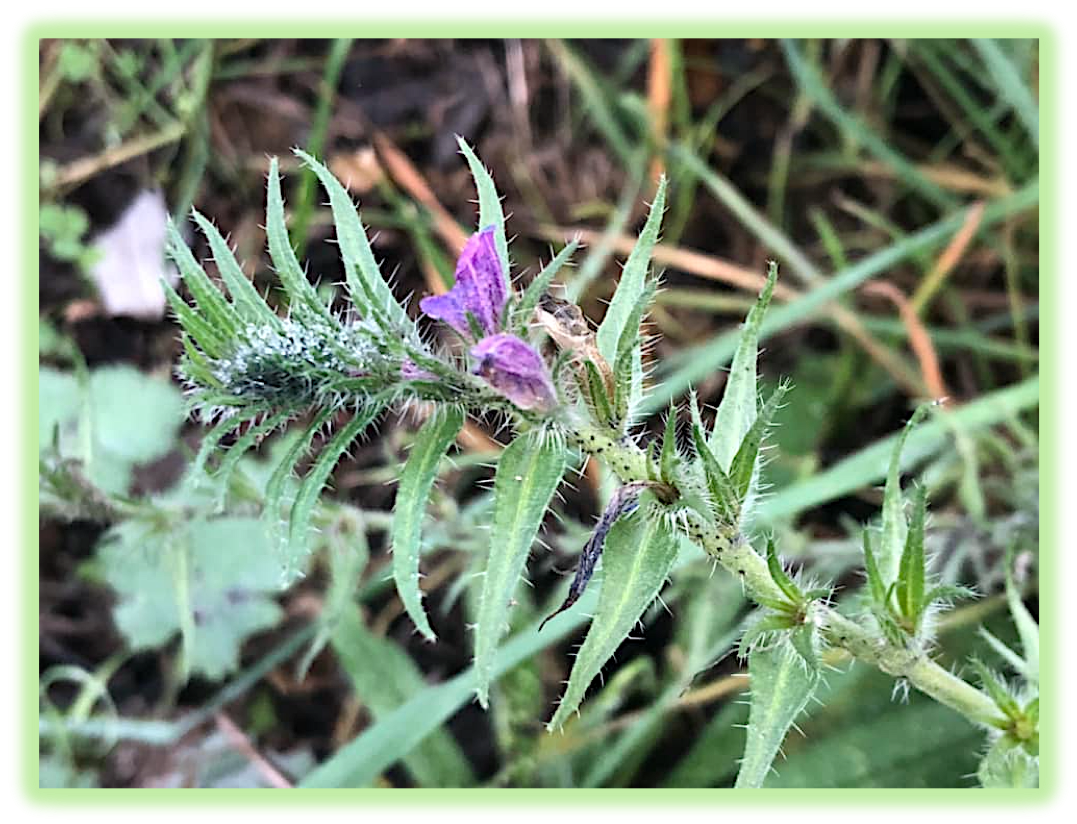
(537, 287)
(420, 471)
(639, 553)
(912, 572)
(895, 527)
(384, 677)
(248, 303)
(738, 409)
(781, 685)
(299, 289)
(368, 289)
(230, 579)
(490, 213)
(135, 417)
(306, 499)
(633, 280)
(1008, 765)
(58, 400)
(528, 474)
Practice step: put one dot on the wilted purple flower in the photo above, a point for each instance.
(480, 289)
(515, 370)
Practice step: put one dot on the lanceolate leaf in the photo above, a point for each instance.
(537, 287)
(249, 439)
(744, 462)
(1027, 628)
(640, 550)
(249, 304)
(277, 484)
(895, 527)
(528, 473)
(306, 499)
(780, 576)
(420, 471)
(490, 213)
(299, 289)
(737, 411)
(368, 289)
(668, 460)
(781, 686)
(633, 280)
(724, 499)
(875, 582)
(219, 314)
(912, 573)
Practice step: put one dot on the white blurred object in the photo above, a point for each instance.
(132, 261)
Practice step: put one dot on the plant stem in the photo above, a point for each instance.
(729, 548)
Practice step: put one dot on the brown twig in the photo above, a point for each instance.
(239, 741)
(659, 96)
(949, 258)
(919, 338)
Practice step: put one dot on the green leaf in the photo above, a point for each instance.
(300, 291)
(640, 550)
(628, 366)
(135, 417)
(633, 281)
(913, 573)
(1008, 655)
(1008, 765)
(1027, 628)
(490, 213)
(219, 314)
(525, 308)
(528, 474)
(895, 527)
(277, 485)
(782, 684)
(420, 471)
(743, 467)
(229, 575)
(780, 576)
(247, 441)
(200, 331)
(368, 289)
(724, 498)
(762, 624)
(597, 397)
(738, 409)
(668, 459)
(299, 526)
(875, 581)
(248, 303)
(997, 688)
(384, 678)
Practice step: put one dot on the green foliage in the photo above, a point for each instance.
(490, 213)
(640, 549)
(420, 471)
(63, 228)
(782, 684)
(528, 473)
(216, 576)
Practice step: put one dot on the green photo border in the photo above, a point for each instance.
(1049, 103)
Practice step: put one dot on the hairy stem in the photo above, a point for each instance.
(729, 548)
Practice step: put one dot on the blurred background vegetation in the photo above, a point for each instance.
(894, 182)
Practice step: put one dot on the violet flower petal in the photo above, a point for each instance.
(515, 370)
(480, 289)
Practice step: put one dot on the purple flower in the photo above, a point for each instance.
(515, 370)
(480, 289)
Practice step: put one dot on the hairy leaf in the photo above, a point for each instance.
(525, 307)
(737, 411)
(895, 526)
(780, 576)
(782, 684)
(1027, 628)
(633, 281)
(1008, 765)
(912, 572)
(420, 471)
(640, 550)
(367, 287)
(220, 315)
(743, 467)
(490, 212)
(528, 473)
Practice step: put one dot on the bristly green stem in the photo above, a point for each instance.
(729, 548)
